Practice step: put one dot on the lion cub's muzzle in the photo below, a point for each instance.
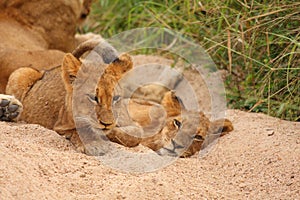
(106, 125)
(106, 120)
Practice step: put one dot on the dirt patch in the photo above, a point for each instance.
(259, 159)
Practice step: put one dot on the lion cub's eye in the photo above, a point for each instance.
(93, 98)
(96, 99)
(116, 98)
(177, 123)
(198, 138)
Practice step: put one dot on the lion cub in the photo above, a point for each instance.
(46, 98)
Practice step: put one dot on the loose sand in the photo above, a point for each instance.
(258, 160)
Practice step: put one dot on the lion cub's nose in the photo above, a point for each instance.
(106, 125)
(106, 119)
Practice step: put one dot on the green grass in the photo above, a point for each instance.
(257, 42)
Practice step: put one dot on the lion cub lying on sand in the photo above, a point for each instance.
(46, 98)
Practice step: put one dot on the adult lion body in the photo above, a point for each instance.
(37, 33)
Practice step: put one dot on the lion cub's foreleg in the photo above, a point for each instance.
(21, 80)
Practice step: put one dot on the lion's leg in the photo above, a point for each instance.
(21, 80)
(18, 84)
(129, 136)
(98, 144)
(10, 108)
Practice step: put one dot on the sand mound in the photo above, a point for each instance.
(259, 159)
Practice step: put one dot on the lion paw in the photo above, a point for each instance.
(10, 108)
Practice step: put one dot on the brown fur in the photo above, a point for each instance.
(36, 33)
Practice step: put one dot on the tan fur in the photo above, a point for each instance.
(171, 104)
(159, 140)
(21, 81)
(36, 33)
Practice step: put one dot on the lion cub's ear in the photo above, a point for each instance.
(70, 67)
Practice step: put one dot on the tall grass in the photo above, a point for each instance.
(257, 42)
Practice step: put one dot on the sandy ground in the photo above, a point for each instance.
(258, 160)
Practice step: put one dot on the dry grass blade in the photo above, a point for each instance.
(229, 49)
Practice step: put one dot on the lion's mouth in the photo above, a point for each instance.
(106, 126)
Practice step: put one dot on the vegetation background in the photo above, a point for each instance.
(256, 41)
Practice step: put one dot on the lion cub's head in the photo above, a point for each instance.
(103, 97)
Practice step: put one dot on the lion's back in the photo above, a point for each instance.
(44, 100)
